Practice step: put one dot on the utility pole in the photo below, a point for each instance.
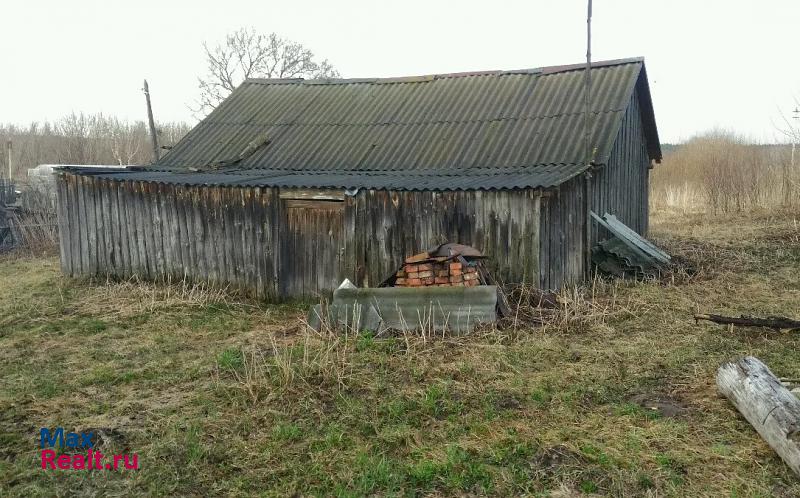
(588, 86)
(153, 137)
(587, 176)
(8, 150)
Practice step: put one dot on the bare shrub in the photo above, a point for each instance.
(722, 173)
(34, 233)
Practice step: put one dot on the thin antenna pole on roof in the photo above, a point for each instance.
(151, 122)
(587, 184)
(588, 86)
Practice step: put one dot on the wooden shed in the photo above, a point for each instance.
(290, 186)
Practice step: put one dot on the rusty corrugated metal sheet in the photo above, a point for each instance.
(499, 129)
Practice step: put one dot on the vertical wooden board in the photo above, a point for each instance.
(173, 231)
(535, 239)
(248, 241)
(232, 219)
(108, 226)
(170, 193)
(124, 230)
(68, 208)
(264, 247)
(167, 241)
(152, 231)
(347, 261)
(223, 243)
(243, 197)
(359, 245)
(284, 244)
(185, 228)
(224, 247)
(270, 211)
(83, 230)
(215, 228)
(202, 216)
(144, 232)
(326, 253)
(128, 229)
(104, 187)
(258, 247)
(157, 228)
(91, 225)
(297, 256)
(568, 224)
(116, 228)
(74, 223)
(73, 238)
(135, 240)
(194, 236)
(63, 225)
(111, 225)
(236, 216)
(544, 243)
(103, 266)
(304, 244)
(134, 217)
(197, 234)
(227, 230)
(213, 248)
(145, 201)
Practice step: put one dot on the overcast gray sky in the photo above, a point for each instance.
(711, 63)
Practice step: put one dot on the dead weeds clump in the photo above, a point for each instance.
(576, 308)
(121, 298)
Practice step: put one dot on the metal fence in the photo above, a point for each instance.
(8, 192)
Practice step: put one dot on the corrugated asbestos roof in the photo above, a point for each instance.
(499, 129)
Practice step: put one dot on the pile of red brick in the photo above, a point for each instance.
(437, 272)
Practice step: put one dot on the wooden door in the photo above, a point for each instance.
(312, 246)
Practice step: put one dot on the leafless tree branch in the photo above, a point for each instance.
(249, 54)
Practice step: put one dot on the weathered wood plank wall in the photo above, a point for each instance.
(388, 226)
(563, 222)
(621, 187)
(263, 241)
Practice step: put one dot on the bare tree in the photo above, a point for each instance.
(790, 130)
(81, 138)
(249, 54)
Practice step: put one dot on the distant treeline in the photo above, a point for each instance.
(82, 139)
(721, 172)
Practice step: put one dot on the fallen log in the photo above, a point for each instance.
(774, 322)
(770, 408)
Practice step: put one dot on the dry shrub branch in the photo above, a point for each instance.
(721, 172)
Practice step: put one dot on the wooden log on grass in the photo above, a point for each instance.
(770, 408)
(776, 322)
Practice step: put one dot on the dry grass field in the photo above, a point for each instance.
(614, 396)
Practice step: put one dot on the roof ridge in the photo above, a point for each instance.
(421, 123)
(431, 77)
